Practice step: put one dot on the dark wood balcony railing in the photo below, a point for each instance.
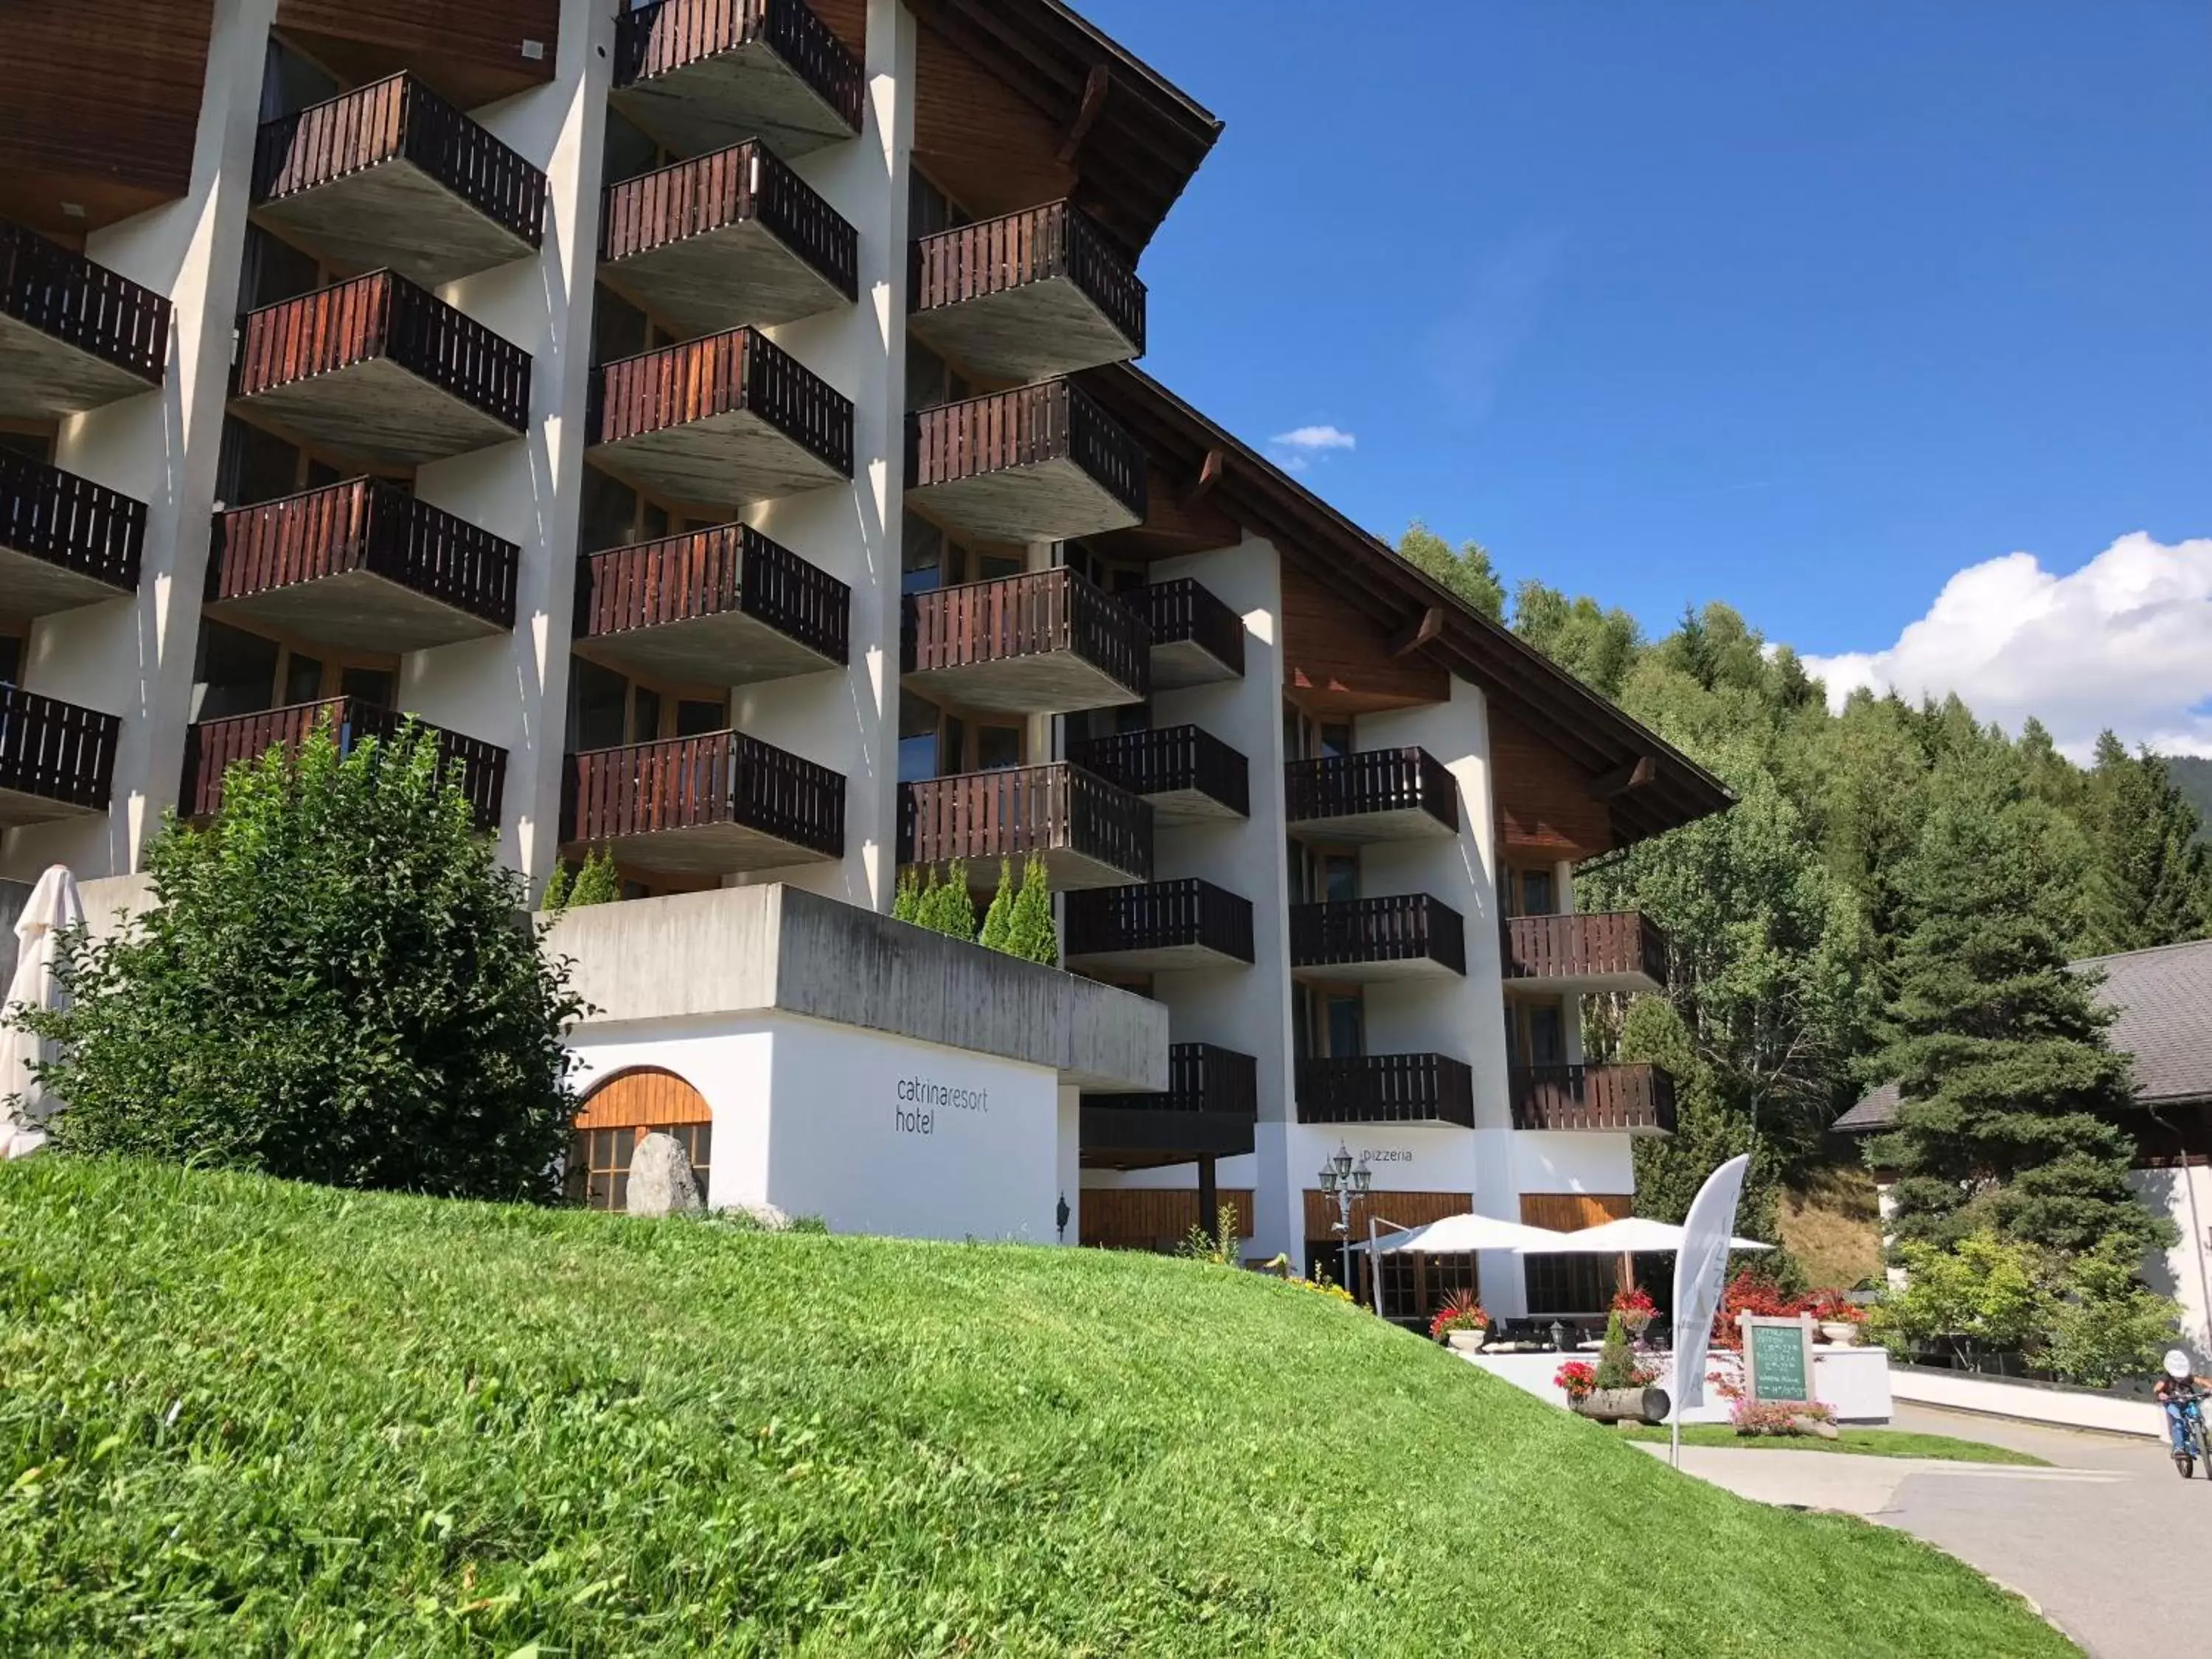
(400, 119)
(1630, 1099)
(1040, 614)
(55, 758)
(1370, 782)
(1175, 761)
(1183, 613)
(1409, 927)
(369, 527)
(733, 372)
(68, 298)
(1051, 426)
(985, 291)
(70, 523)
(656, 41)
(731, 570)
(381, 317)
(211, 747)
(1160, 917)
(1386, 1089)
(720, 779)
(1201, 1078)
(1620, 945)
(690, 198)
(981, 817)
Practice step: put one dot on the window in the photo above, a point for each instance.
(599, 1160)
(597, 701)
(1537, 893)
(619, 329)
(373, 686)
(1340, 877)
(1344, 1022)
(303, 680)
(290, 82)
(626, 151)
(234, 673)
(695, 717)
(274, 271)
(998, 747)
(917, 743)
(11, 660)
(251, 466)
(921, 556)
(1547, 1034)
(1416, 1287)
(1571, 1284)
(1336, 739)
(644, 714)
(609, 513)
(994, 567)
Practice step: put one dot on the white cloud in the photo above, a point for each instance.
(1314, 438)
(2125, 642)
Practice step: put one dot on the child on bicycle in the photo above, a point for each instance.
(2174, 1389)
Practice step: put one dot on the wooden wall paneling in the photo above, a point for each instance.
(1405, 1209)
(648, 1095)
(472, 53)
(1337, 661)
(102, 105)
(1544, 802)
(1150, 1217)
(1568, 1213)
(848, 21)
(980, 141)
(1173, 525)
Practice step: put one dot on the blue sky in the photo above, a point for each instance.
(1811, 308)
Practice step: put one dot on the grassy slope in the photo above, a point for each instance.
(1863, 1443)
(1832, 1222)
(243, 1416)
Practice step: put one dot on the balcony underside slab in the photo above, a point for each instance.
(1376, 973)
(1033, 683)
(357, 611)
(1180, 664)
(723, 278)
(1046, 502)
(1579, 984)
(1156, 960)
(1369, 828)
(746, 91)
(1179, 806)
(1122, 1138)
(1066, 871)
(19, 806)
(379, 412)
(710, 849)
(726, 648)
(723, 462)
(393, 213)
(1030, 332)
(32, 586)
(43, 378)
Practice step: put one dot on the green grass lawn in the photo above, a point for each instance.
(241, 1417)
(1863, 1443)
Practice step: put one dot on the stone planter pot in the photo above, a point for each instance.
(1636, 1324)
(1841, 1331)
(1465, 1341)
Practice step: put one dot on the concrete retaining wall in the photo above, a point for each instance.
(2030, 1403)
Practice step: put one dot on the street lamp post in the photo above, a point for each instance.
(1344, 1181)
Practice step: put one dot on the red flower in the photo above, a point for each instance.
(1577, 1377)
(1635, 1299)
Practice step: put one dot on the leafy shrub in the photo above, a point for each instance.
(1755, 1418)
(334, 985)
(1221, 1247)
(1616, 1366)
(597, 883)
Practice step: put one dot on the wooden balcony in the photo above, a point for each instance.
(1372, 795)
(64, 541)
(715, 805)
(56, 760)
(1188, 775)
(719, 422)
(724, 240)
(1196, 639)
(1026, 296)
(73, 335)
(1167, 926)
(1042, 463)
(1048, 643)
(701, 74)
(1637, 1100)
(1355, 941)
(1209, 1109)
(382, 370)
(364, 566)
(212, 747)
(722, 606)
(1386, 1089)
(1089, 833)
(393, 175)
(1582, 955)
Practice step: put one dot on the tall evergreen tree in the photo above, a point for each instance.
(2150, 877)
(2012, 1104)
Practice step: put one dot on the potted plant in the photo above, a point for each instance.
(1636, 1308)
(1577, 1377)
(1840, 1320)
(1460, 1322)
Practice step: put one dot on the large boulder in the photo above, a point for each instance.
(661, 1182)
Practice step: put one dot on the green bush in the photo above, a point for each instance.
(1031, 934)
(1616, 1365)
(945, 905)
(334, 984)
(597, 883)
(998, 921)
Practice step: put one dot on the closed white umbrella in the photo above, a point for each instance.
(54, 904)
(1630, 1235)
(1458, 1234)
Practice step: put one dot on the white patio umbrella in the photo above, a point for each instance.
(1458, 1234)
(54, 904)
(1629, 1235)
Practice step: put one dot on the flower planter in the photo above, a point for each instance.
(1841, 1331)
(1465, 1341)
(1635, 1321)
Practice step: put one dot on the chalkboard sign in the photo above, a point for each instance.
(1778, 1358)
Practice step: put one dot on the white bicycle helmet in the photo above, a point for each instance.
(2176, 1364)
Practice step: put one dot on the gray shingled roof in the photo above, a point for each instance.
(2164, 1000)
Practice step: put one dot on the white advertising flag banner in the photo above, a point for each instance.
(1700, 1274)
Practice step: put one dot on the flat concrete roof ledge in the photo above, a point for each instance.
(739, 950)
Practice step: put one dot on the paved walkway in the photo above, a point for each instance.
(2111, 1543)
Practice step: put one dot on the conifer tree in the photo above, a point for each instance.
(2150, 878)
(597, 883)
(2012, 1104)
(906, 898)
(998, 921)
(1031, 934)
(945, 906)
(557, 888)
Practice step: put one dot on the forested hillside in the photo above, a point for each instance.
(1787, 913)
(2194, 773)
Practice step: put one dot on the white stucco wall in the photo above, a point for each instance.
(827, 1121)
(2184, 1272)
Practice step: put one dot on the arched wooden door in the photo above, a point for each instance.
(620, 1112)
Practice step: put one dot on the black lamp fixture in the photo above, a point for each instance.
(1343, 1181)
